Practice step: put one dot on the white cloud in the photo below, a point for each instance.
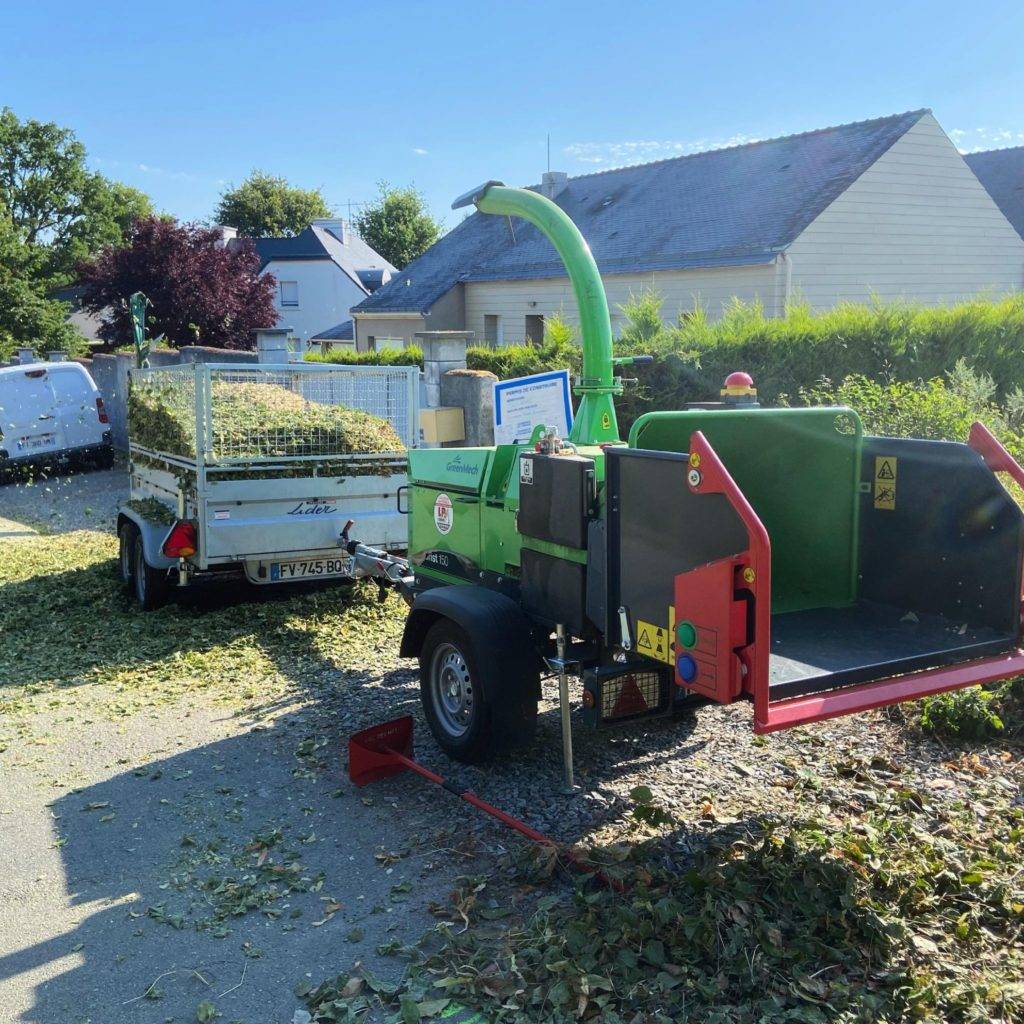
(971, 140)
(105, 162)
(617, 154)
(164, 173)
(419, 151)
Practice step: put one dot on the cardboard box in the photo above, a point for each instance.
(443, 425)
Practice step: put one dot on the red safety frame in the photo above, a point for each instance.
(771, 716)
(752, 579)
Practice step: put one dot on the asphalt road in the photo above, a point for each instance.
(64, 501)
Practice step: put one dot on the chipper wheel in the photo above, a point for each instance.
(479, 702)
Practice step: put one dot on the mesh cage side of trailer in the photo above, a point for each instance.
(235, 414)
(162, 409)
(295, 410)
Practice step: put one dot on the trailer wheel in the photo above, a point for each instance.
(126, 534)
(150, 586)
(477, 703)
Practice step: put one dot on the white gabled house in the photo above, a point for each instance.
(321, 273)
(884, 208)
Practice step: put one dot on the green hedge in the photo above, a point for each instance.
(893, 341)
(879, 341)
(412, 355)
(786, 355)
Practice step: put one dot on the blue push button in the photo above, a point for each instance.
(687, 668)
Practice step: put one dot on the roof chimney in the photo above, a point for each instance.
(552, 183)
(227, 234)
(335, 225)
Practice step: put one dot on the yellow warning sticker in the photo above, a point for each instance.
(652, 641)
(885, 482)
(606, 421)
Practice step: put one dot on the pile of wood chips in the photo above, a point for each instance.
(254, 421)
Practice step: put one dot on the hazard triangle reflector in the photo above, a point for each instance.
(630, 700)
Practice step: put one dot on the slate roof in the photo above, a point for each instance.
(353, 256)
(726, 207)
(1001, 171)
(339, 332)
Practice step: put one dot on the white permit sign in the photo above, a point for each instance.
(522, 403)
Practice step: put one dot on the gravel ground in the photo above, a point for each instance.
(113, 824)
(64, 501)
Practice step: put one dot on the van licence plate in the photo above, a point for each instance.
(310, 568)
(42, 441)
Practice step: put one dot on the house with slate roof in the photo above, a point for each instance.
(886, 207)
(339, 336)
(1001, 171)
(321, 273)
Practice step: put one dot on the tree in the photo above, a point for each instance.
(267, 205)
(202, 292)
(53, 203)
(27, 317)
(398, 225)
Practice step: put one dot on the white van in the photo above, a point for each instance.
(51, 412)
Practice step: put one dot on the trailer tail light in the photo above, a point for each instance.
(181, 541)
(100, 411)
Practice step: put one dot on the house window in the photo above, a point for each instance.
(494, 333)
(383, 343)
(289, 293)
(534, 328)
(371, 343)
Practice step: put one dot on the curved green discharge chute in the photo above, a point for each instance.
(595, 421)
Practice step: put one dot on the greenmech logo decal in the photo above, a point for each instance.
(458, 466)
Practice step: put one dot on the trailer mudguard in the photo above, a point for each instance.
(153, 536)
(493, 620)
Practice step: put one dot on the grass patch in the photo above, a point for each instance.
(71, 634)
(899, 915)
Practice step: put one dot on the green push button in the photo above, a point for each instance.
(686, 634)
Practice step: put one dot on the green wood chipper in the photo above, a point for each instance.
(724, 550)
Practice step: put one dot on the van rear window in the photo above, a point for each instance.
(71, 383)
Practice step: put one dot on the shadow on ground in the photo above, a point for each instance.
(162, 865)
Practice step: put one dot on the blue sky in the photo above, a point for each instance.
(182, 99)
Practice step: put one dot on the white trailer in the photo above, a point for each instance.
(261, 503)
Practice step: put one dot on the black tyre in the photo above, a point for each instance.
(478, 702)
(126, 534)
(150, 586)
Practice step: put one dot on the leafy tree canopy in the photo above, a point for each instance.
(53, 204)
(202, 293)
(398, 225)
(28, 318)
(266, 205)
